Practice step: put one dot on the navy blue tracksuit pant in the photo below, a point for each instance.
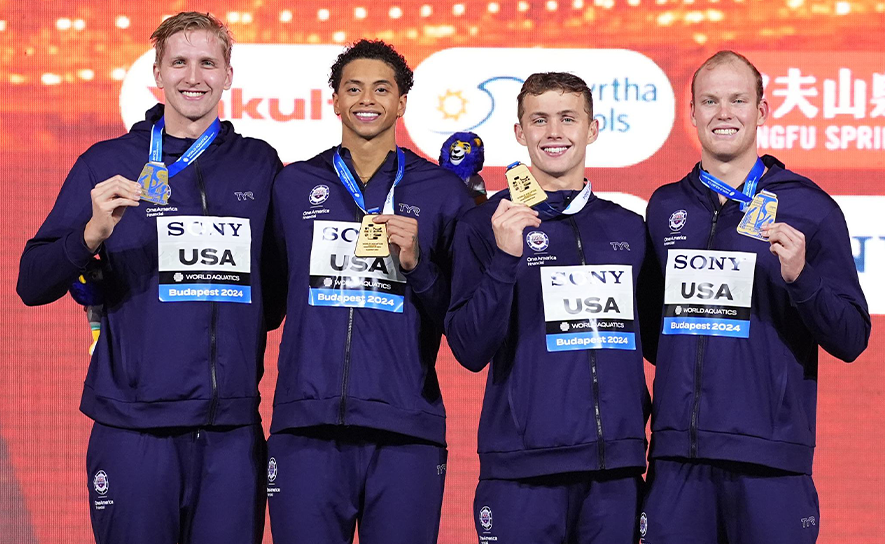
(176, 486)
(599, 507)
(323, 482)
(727, 503)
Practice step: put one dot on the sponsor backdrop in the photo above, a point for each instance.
(72, 73)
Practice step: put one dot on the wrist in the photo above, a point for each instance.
(91, 237)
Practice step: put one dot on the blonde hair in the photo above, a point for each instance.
(188, 21)
(729, 56)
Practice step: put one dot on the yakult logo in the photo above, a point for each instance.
(290, 109)
(632, 100)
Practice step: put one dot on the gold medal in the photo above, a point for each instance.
(154, 180)
(761, 211)
(372, 241)
(524, 188)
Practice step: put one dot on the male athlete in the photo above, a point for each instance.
(758, 274)
(177, 450)
(358, 434)
(547, 294)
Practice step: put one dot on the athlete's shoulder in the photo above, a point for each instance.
(614, 211)
(481, 215)
(673, 189)
(118, 149)
(425, 169)
(318, 167)
(800, 198)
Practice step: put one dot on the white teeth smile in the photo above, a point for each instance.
(555, 150)
(725, 131)
(367, 116)
(193, 94)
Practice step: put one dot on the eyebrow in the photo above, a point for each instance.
(360, 82)
(545, 114)
(732, 95)
(184, 57)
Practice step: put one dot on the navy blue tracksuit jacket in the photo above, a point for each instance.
(161, 364)
(547, 412)
(362, 366)
(754, 399)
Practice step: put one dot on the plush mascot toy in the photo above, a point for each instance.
(86, 290)
(463, 153)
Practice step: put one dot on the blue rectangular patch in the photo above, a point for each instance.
(356, 298)
(591, 340)
(733, 328)
(204, 292)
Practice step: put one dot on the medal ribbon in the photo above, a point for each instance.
(715, 184)
(195, 150)
(546, 211)
(354, 188)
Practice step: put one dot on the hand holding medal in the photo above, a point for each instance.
(508, 223)
(402, 236)
(789, 246)
(110, 198)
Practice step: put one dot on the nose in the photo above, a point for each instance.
(366, 97)
(192, 75)
(554, 129)
(724, 111)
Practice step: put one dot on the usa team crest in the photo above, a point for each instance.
(677, 220)
(271, 469)
(485, 518)
(318, 195)
(100, 482)
(537, 240)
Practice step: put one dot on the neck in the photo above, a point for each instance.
(733, 172)
(569, 181)
(368, 155)
(182, 127)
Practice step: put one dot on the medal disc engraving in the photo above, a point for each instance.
(524, 188)
(762, 211)
(372, 241)
(154, 181)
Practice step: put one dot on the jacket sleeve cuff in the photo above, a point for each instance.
(806, 285)
(76, 250)
(422, 277)
(503, 267)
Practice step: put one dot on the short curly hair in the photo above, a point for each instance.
(378, 50)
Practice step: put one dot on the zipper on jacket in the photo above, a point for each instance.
(600, 441)
(213, 321)
(342, 406)
(699, 361)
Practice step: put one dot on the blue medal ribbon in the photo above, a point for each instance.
(546, 211)
(195, 150)
(354, 188)
(715, 184)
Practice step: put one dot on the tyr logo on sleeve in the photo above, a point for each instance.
(204, 258)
